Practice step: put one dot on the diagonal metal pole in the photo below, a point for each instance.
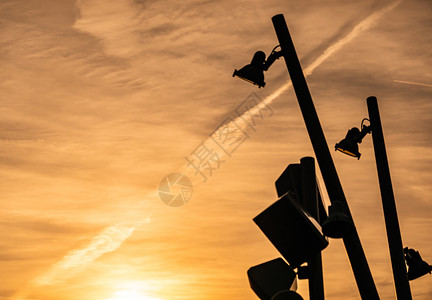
(359, 264)
(400, 276)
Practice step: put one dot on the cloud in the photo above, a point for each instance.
(103, 101)
(108, 240)
(114, 24)
(414, 83)
(112, 237)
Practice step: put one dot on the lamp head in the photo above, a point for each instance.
(267, 279)
(349, 145)
(287, 295)
(338, 224)
(417, 267)
(253, 72)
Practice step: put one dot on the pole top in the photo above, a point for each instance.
(371, 98)
(278, 16)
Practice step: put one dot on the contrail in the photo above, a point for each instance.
(112, 237)
(414, 83)
(76, 260)
(362, 26)
(359, 28)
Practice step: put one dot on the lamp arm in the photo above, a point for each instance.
(365, 130)
(271, 59)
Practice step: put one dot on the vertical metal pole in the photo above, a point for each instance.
(354, 249)
(400, 275)
(310, 202)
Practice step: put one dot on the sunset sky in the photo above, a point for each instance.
(102, 99)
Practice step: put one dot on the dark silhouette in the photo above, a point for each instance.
(349, 145)
(254, 72)
(338, 224)
(417, 267)
(394, 238)
(356, 255)
(267, 279)
(287, 295)
(291, 231)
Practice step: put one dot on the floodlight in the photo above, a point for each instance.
(293, 232)
(254, 72)
(287, 295)
(349, 145)
(267, 279)
(338, 224)
(417, 267)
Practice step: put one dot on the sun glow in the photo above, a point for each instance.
(132, 292)
(131, 295)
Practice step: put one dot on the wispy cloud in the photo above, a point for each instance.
(110, 239)
(364, 25)
(76, 260)
(413, 83)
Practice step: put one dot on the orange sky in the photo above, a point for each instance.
(99, 101)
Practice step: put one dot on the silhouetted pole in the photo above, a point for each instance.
(310, 202)
(400, 275)
(359, 264)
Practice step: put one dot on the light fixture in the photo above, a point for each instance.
(254, 72)
(349, 145)
(338, 224)
(287, 295)
(271, 277)
(417, 267)
(293, 232)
